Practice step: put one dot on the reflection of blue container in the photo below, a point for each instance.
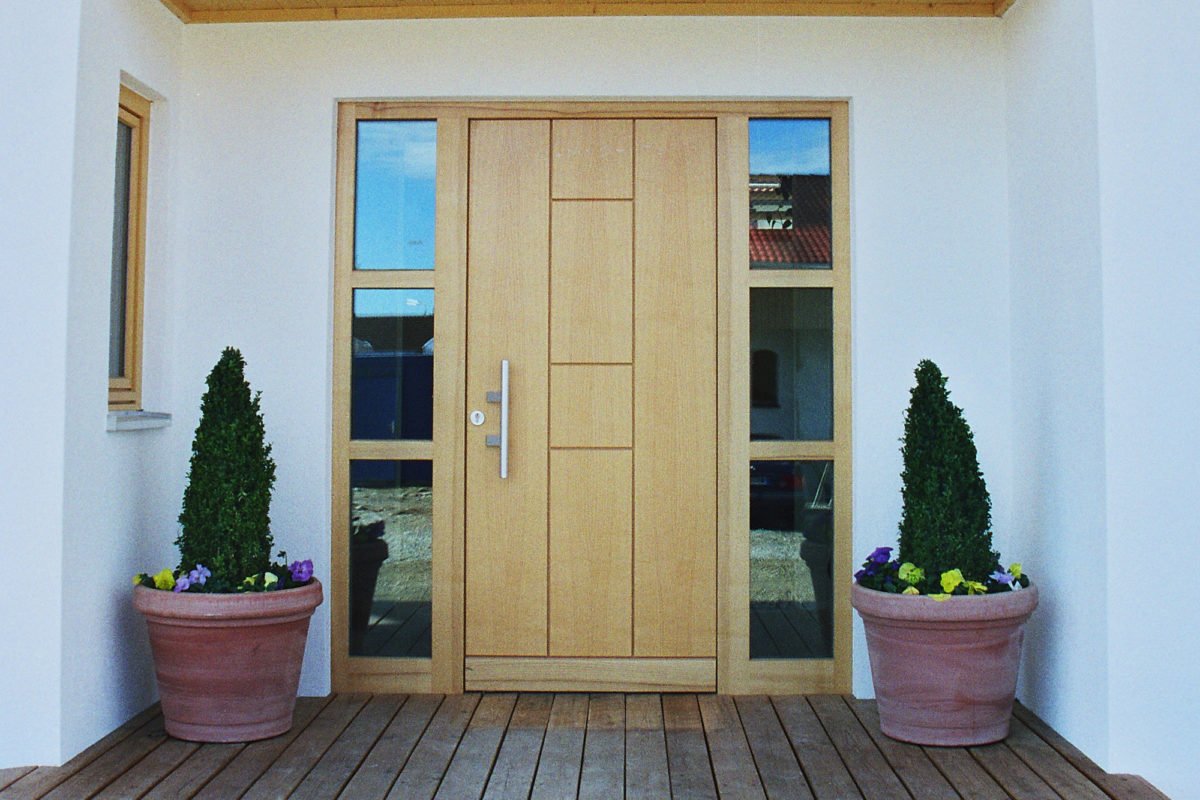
(391, 397)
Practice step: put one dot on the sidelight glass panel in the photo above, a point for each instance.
(391, 372)
(394, 194)
(791, 559)
(391, 556)
(791, 364)
(791, 211)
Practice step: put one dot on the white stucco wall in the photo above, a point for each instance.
(39, 50)
(118, 510)
(1058, 371)
(1102, 118)
(1149, 113)
(254, 191)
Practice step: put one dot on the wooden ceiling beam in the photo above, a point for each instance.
(213, 12)
(178, 9)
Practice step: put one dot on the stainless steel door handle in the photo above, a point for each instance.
(501, 397)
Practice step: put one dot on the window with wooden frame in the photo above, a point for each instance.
(128, 252)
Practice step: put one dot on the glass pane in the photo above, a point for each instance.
(791, 559)
(391, 372)
(391, 556)
(791, 364)
(394, 194)
(120, 254)
(790, 197)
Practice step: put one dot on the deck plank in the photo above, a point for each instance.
(562, 749)
(1121, 787)
(647, 776)
(777, 765)
(516, 763)
(1018, 780)
(909, 761)
(506, 745)
(158, 763)
(602, 775)
(427, 764)
(468, 772)
(1132, 787)
(732, 762)
(12, 775)
(827, 773)
(1049, 764)
(340, 761)
(38, 781)
(870, 769)
(294, 763)
(687, 752)
(123, 756)
(256, 757)
(391, 751)
(189, 777)
(970, 780)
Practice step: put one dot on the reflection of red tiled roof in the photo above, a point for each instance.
(805, 244)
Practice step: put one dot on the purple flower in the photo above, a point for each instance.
(882, 555)
(199, 575)
(302, 571)
(182, 584)
(1002, 577)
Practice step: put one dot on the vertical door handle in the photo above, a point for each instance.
(501, 397)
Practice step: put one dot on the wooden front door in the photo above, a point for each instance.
(591, 272)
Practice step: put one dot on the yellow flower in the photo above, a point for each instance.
(164, 580)
(911, 590)
(975, 587)
(269, 579)
(951, 580)
(137, 579)
(1015, 570)
(941, 598)
(251, 581)
(911, 573)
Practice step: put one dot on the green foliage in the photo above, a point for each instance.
(947, 516)
(226, 524)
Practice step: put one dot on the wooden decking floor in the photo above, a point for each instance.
(576, 745)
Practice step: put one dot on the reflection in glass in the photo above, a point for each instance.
(391, 577)
(791, 214)
(120, 253)
(394, 194)
(391, 372)
(791, 346)
(791, 559)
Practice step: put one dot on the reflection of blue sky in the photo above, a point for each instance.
(789, 147)
(394, 214)
(393, 302)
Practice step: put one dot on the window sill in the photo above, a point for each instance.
(137, 420)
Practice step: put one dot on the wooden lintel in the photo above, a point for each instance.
(603, 8)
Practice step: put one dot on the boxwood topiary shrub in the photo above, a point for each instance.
(226, 523)
(947, 518)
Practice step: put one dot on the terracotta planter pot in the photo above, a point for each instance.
(228, 665)
(945, 673)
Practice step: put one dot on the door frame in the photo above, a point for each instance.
(444, 671)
